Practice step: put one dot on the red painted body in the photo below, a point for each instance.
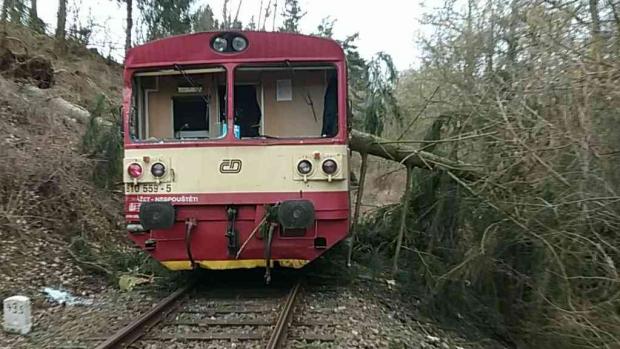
(194, 50)
(208, 240)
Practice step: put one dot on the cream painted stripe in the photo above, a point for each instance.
(260, 169)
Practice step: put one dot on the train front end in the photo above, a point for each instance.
(236, 149)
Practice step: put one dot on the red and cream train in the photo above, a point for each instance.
(236, 149)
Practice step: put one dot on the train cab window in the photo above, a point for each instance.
(178, 104)
(286, 101)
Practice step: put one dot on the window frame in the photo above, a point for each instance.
(296, 66)
(139, 104)
(229, 139)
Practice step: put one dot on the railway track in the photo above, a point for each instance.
(247, 318)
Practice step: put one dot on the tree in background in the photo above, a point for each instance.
(381, 105)
(17, 11)
(325, 28)
(228, 21)
(292, 16)
(264, 15)
(251, 24)
(129, 23)
(203, 20)
(33, 18)
(163, 18)
(372, 85)
(61, 20)
(357, 69)
(5, 10)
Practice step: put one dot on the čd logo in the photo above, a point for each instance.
(230, 166)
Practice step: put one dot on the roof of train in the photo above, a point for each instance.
(262, 47)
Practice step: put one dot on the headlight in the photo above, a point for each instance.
(158, 169)
(329, 166)
(304, 167)
(134, 170)
(239, 43)
(220, 44)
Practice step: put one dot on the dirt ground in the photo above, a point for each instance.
(367, 315)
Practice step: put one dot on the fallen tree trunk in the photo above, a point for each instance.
(366, 143)
(410, 157)
(62, 106)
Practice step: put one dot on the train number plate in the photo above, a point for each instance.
(148, 188)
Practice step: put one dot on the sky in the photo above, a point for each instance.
(391, 26)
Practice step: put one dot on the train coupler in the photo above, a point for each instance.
(231, 233)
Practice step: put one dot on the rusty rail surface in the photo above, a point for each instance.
(137, 328)
(278, 336)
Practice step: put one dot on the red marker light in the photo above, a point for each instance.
(134, 170)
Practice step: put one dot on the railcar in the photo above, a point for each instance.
(235, 149)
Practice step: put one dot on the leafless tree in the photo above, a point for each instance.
(61, 22)
(129, 26)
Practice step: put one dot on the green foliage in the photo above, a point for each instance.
(15, 11)
(358, 79)
(381, 105)
(102, 142)
(164, 18)
(203, 20)
(228, 21)
(251, 24)
(292, 16)
(22, 12)
(372, 85)
(326, 27)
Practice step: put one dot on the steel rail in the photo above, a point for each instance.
(279, 333)
(137, 328)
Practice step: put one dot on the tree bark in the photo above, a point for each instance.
(33, 9)
(616, 15)
(14, 11)
(5, 10)
(596, 29)
(129, 4)
(260, 15)
(358, 203)
(4, 19)
(34, 21)
(61, 22)
(408, 155)
(403, 220)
